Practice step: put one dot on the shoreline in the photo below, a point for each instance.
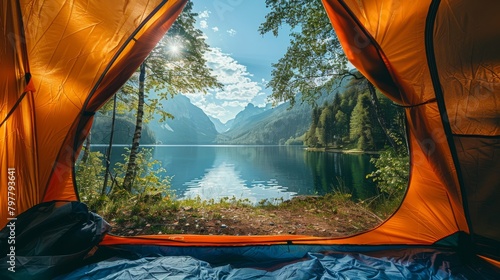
(348, 151)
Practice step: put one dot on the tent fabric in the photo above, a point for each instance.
(282, 262)
(61, 60)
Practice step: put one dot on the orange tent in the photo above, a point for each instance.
(439, 59)
(61, 60)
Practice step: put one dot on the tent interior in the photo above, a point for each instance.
(62, 60)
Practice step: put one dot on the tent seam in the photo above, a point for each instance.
(377, 47)
(438, 91)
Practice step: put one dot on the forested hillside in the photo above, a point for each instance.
(351, 120)
(124, 129)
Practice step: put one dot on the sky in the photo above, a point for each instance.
(239, 56)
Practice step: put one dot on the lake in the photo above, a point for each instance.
(258, 172)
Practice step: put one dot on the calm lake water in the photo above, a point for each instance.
(259, 172)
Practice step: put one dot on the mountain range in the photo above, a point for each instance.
(254, 125)
(190, 124)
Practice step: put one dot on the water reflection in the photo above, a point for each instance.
(225, 181)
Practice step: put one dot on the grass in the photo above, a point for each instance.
(310, 215)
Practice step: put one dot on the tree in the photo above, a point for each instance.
(361, 125)
(379, 115)
(311, 138)
(175, 65)
(342, 124)
(325, 126)
(314, 59)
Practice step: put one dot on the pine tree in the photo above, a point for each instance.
(325, 126)
(361, 131)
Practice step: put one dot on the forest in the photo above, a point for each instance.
(356, 119)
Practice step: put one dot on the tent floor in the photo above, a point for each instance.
(281, 262)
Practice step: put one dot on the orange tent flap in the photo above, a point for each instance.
(78, 53)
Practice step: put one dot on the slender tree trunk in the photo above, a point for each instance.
(86, 150)
(134, 150)
(110, 145)
(378, 112)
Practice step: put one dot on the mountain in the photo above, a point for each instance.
(189, 126)
(124, 130)
(268, 126)
(246, 116)
(253, 125)
(219, 126)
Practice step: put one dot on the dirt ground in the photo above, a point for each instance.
(300, 216)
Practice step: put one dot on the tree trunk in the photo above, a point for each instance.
(110, 145)
(86, 150)
(134, 150)
(378, 112)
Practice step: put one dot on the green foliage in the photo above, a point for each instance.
(150, 185)
(392, 173)
(177, 63)
(149, 182)
(314, 58)
(350, 120)
(89, 179)
(295, 141)
(325, 126)
(361, 131)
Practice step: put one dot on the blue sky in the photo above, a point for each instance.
(240, 57)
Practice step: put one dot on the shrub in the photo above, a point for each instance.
(392, 173)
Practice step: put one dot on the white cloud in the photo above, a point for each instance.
(239, 88)
(204, 14)
(231, 32)
(215, 29)
(203, 24)
(235, 104)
